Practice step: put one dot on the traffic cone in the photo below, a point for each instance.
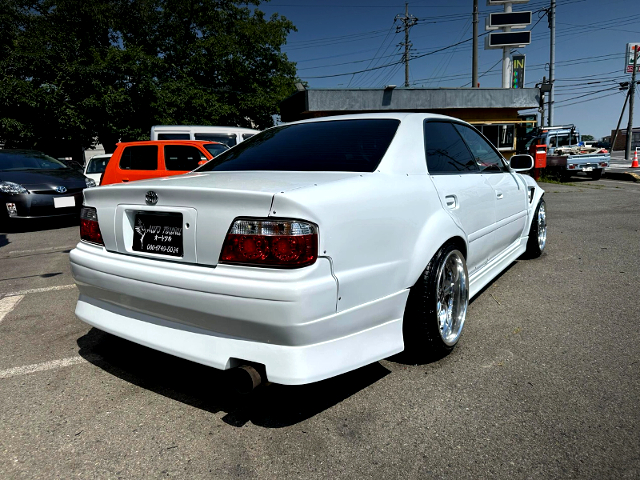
(634, 164)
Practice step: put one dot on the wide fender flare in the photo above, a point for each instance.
(437, 230)
(537, 195)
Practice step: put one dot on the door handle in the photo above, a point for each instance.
(451, 201)
(125, 180)
(499, 195)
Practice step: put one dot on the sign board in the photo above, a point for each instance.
(517, 77)
(507, 39)
(511, 19)
(628, 62)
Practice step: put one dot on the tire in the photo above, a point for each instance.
(538, 232)
(435, 312)
(596, 174)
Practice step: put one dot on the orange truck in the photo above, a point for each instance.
(158, 158)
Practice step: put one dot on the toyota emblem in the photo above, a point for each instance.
(151, 197)
(61, 189)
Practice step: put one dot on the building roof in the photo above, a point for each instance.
(322, 102)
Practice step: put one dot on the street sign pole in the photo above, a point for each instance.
(506, 55)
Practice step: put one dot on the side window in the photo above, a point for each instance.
(143, 157)
(446, 152)
(173, 136)
(486, 157)
(182, 157)
(247, 135)
(552, 141)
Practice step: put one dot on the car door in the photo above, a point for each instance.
(462, 190)
(510, 192)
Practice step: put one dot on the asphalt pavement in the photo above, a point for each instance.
(545, 382)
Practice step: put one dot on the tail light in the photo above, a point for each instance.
(89, 227)
(603, 164)
(271, 243)
(571, 166)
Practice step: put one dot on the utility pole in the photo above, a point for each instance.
(632, 94)
(624, 107)
(552, 56)
(408, 22)
(544, 80)
(474, 61)
(506, 55)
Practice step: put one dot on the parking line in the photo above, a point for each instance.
(39, 290)
(38, 250)
(41, 367)
(7, 304)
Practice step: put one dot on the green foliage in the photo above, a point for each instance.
(72, 72)
(587, 138)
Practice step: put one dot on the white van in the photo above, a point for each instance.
(228, 135)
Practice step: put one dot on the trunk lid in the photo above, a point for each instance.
(208, 203)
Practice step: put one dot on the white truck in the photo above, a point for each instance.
(568, 155)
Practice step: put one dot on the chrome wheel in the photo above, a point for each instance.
(542, 226)
(452, 297)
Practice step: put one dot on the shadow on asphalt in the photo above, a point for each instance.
(272, 406)
(23, 225)
(4, 240)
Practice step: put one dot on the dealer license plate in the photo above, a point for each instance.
(63, 202)
(587, 169)
(158, 233)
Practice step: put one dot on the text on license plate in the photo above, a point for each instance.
(62, 202)
(159, 233)
(587, 169)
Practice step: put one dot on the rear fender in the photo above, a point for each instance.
(439, 229)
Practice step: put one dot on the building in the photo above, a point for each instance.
(621, 139)
(494, 111)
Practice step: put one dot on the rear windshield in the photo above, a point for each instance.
(331, 146)
(228, 139)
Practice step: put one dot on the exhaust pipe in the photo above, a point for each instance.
(245, 378)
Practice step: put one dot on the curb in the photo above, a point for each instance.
(634, 177)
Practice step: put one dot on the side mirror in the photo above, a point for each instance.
(521, 163)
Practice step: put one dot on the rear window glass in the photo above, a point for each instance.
(143, 157)
(333, 146)
(174, 136)
(182, 157)
(228, 139)
(216, 149)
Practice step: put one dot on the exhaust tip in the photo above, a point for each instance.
(245, 378)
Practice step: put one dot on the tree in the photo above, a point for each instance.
(587, 138)
(73, 73)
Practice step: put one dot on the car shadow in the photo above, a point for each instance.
(209, 389)
(4, 241)
(24, 225)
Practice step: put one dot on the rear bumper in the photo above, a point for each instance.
(284, 319)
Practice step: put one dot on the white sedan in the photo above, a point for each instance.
(312, 248)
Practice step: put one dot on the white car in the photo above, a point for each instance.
(96, 166)
(312, 248)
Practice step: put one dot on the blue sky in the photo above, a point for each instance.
(337, 37)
